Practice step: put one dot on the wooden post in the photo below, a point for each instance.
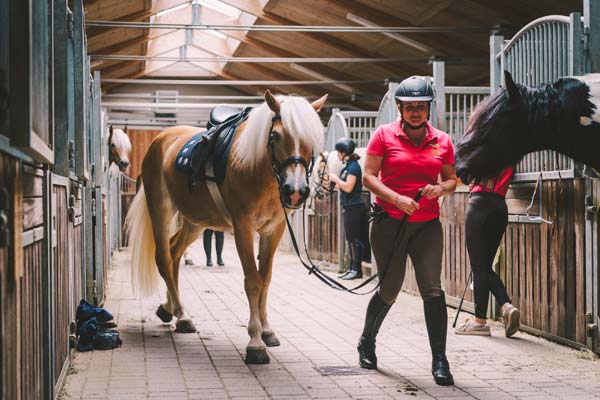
(439, 85)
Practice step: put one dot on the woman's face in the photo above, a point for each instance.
(341, 156)
(415, 112)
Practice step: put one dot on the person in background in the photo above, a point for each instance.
(404, 158)
(355, 214)
(487, 217)
(219, 239)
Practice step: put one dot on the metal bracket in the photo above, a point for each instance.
(590, 326)
(71, 210)
(70, 24)
(71, 154)
(590, 209)
(4, 212)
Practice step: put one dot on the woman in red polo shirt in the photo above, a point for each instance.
(402, 158)
(487, 217)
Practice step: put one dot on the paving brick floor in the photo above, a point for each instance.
(317, 327)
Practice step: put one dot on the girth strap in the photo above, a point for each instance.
(215, 193)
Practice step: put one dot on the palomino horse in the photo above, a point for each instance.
(564, 116)
(278, 137)
(119, 148)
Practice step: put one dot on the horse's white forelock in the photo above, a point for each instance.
(298, 118)
(121, 140)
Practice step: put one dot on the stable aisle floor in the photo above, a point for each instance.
(318, 328)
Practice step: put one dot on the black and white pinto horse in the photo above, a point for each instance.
(563, 116)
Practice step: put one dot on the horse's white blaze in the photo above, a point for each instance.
(593, 83)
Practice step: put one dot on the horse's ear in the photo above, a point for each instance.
(317, 104)
(511, 87)
(110, 130)
(272, 102)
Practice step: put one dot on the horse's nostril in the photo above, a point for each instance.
(123, 164)
(287, 189)
(304, 191)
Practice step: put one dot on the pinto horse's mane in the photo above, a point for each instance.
(518, 120)
(298, 118)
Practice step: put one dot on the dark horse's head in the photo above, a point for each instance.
(517, 120)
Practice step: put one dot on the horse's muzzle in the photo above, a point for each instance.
(123, 164)
(294, 197)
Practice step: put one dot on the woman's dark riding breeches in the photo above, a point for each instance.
(487, 217)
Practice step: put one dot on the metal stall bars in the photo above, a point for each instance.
(540, 53)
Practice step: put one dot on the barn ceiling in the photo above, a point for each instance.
(467, 53)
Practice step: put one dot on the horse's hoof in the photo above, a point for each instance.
(257, 356)
(270, 339)
(163, 314)
(185, 325)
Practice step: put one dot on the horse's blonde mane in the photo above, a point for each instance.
(121, 140)
(298, 118)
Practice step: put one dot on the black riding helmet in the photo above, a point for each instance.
(414, 88)
(345, 145)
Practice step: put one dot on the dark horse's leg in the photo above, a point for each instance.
(256, 352)
(268, 245)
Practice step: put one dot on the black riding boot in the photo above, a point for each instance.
(349, 270)
(357, 255)
(376, 312)
(436, 319)
(207, 241)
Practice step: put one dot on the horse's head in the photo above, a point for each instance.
(119, 148)
(296, 132)
(496, 135)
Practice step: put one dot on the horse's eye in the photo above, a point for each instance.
(112, 145)
(275, 136)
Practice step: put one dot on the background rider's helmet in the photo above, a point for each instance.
(345, 145)
(414, 88)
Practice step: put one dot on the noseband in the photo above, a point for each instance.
(279, 167)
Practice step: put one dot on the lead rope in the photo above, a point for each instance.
(329, 281)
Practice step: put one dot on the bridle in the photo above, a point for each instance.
(279, 167)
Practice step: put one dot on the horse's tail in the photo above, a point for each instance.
(144, 272)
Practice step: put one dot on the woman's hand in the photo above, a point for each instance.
(333, 177)
(432, 191)
(406, 204)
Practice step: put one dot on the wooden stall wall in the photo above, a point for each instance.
(22, 322)
(62, 277)
(322, 229)
(543, 265)
(140, 141)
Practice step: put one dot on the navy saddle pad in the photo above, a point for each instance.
(212, 145)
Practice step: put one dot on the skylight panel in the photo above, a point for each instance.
(221, 7)
(171, 10)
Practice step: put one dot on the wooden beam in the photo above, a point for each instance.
(116, 48)
(138, 16)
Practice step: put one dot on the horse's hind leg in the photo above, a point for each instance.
(186, 235)
(256, 352)
(266, 250)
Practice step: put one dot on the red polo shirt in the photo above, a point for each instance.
(498, 185)
(407, 168)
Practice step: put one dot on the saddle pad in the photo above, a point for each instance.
(211, 146)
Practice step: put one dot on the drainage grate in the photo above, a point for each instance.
(340, 370)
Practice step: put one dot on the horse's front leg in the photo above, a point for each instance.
(266, 250)
(256, 352)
